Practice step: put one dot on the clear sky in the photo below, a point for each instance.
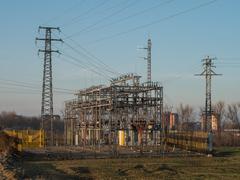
(182, 32)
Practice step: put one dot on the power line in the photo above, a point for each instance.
(100, 12)
(31, 85)
(228, 63)
(104, 18)
(80, 64)
(17, 92)
(155, 22)
(130, 16)
(27, 86)
(92, 57)
(229, 66)
(229, 58)
(65, 12)
(77, 18)
(90, 62)
(99, 64)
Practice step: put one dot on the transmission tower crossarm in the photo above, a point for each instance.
(43, 39)
(48, 51)
(48, 27)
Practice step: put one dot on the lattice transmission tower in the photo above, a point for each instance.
(208, 72)
(47, 92)
(149, 60)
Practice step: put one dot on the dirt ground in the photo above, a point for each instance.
(224, 165)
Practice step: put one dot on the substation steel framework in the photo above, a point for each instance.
(99, 112)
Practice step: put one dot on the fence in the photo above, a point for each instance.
(191, 140)
(27, 139)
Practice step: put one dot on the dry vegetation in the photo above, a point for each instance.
(225, 165)
(8, 157)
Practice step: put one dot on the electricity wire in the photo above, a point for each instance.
(155, 22)
(125, 18)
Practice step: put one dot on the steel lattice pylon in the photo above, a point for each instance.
(149, 59)
(47, 93)
(208, 73)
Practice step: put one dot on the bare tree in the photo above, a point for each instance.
(219, 109)
(232, 114)
(185, 113)
(167, 108)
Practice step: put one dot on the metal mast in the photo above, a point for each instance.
(149, 61)
(208, 73)
(47, 94)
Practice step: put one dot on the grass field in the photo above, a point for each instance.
(225, 165)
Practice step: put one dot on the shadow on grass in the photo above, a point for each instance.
(164, 168)
(122, 172)
(81, 170)
(44, 171)
(226, 152)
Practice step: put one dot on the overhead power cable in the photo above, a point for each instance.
(124, 18)
(25, 88)
(77, 18)
(65, 12)
(108, 9)
(89, 64)
(105, 18)
(93, 61)
(30, 85)
(92, 57)
(156, 21)
(84, 66)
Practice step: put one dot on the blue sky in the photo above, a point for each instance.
(179, 44)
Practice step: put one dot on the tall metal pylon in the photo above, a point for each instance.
(47, 93)
(149, 60)
(208, 72)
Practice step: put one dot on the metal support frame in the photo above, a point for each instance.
(121, 106)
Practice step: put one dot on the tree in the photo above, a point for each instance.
(232, 114)
(219, 109)
(186, 116)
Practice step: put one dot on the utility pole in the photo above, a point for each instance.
(47, 93)
(208, 73)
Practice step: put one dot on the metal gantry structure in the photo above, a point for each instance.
(47, 92)
(98, 114)
(208, 72)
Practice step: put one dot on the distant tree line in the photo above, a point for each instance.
(228, 133)
(10, 120)
(228, 114)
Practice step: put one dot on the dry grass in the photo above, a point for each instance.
(226, 165)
